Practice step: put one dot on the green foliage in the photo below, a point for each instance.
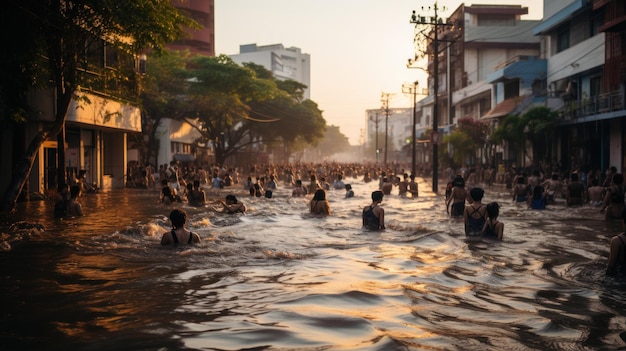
(540, 121)
(293, 88)
(536, 127)
(463, 147)
(474, 128)
(333, 141)
(58, 41)
(67, 45)
(233, 105)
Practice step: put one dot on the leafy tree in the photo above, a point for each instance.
(233, 106)
(540, 125)
(477, 130)
(165, 82)
(511, 130)
(535, 127)
(61, 34)
(220, 97)
(333, 141)
(469, 137)
(462, 147)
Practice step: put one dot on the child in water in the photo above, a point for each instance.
(493, 228)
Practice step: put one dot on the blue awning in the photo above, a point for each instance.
(559, 17)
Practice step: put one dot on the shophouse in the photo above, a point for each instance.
(488, 66)
(585, 45)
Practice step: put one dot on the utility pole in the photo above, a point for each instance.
(376, 123)
(436, 22)
(413, 90)
(385, 102)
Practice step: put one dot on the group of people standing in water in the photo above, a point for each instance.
(478, 219)
(536, 193)
(373, 214)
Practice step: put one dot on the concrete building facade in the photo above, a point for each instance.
(284, 63)
(200, 41)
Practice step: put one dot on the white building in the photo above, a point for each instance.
(399, 123)
(284, 63)
(178, 141)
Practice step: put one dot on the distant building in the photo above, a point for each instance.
(201, 41)
(178, 140)
(399, 133)
(284, 63)
(488, 66)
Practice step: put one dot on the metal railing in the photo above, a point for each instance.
(603, 103)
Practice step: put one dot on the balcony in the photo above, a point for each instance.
(604, 104)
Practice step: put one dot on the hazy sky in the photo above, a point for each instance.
(359, 48)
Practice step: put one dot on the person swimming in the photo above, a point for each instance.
(232, 205)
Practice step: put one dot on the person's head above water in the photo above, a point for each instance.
(477, 194)
(178, 218)
(377, 196)
(493, 210)
(319, 195)
(231, 198)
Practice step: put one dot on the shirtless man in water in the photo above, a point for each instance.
(386, 186)
(232, 205)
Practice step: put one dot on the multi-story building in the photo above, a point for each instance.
(97, 126)
(488, 65)
(397, 135)
(199, 41)
(584, 43)
(177, 138)
(284, 63)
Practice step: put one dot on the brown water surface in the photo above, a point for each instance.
(280, 279)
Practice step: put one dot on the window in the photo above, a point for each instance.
(595, 86)
(562, 39)
(597, 20)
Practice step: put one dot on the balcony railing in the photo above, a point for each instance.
(603, 103)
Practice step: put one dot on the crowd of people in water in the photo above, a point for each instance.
(532, 188)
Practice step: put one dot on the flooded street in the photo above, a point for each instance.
(278, 278)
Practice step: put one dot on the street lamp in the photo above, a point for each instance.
(143, 59)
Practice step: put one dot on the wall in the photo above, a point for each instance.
(579, 58)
